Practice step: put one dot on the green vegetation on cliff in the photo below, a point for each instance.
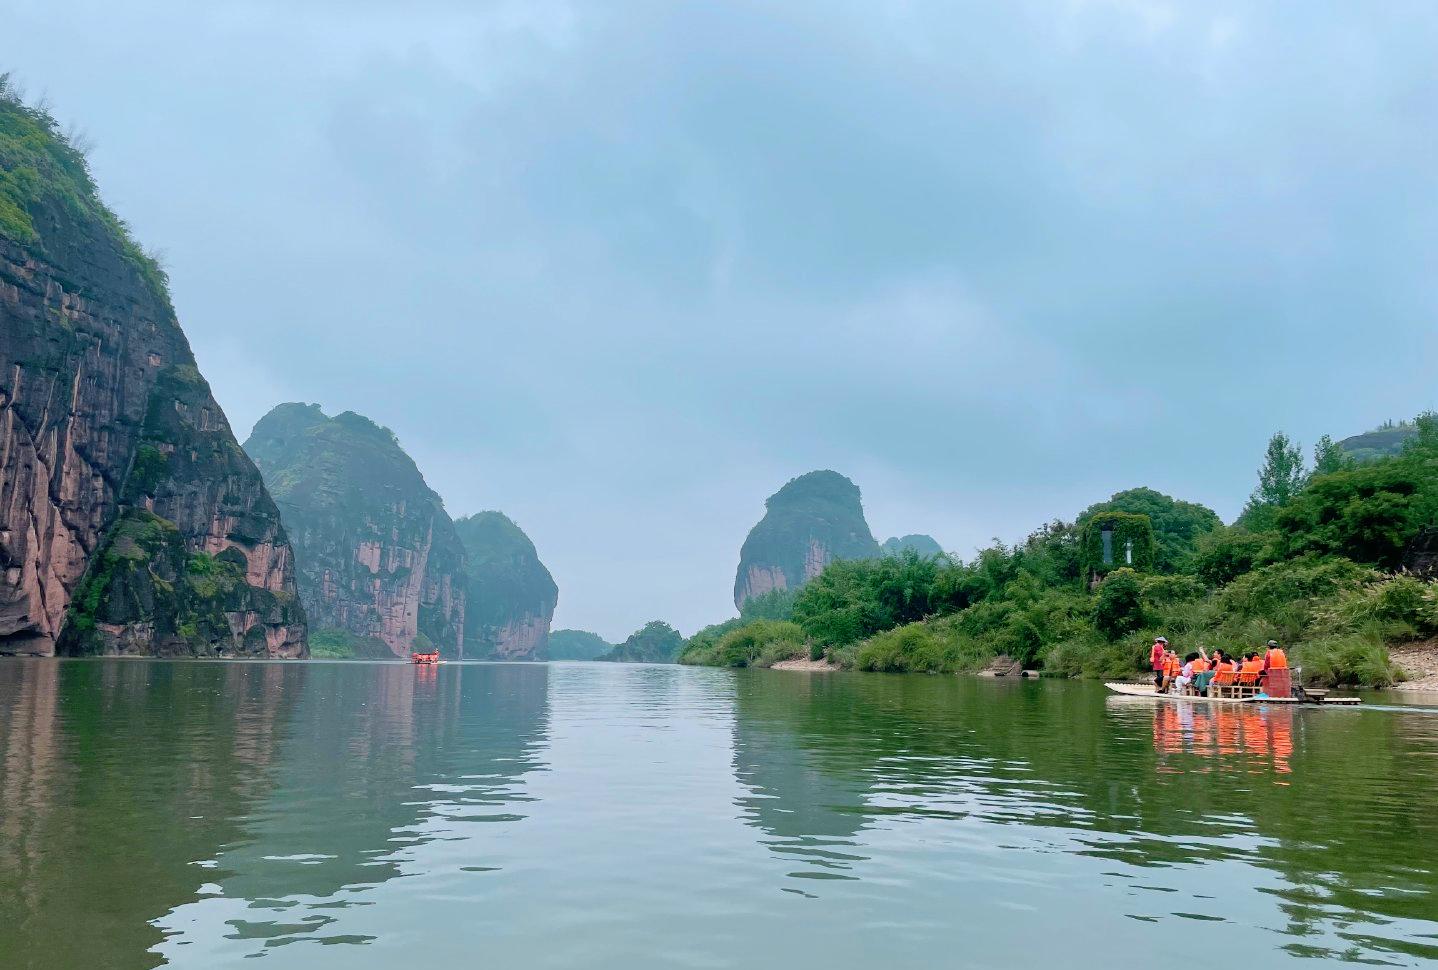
(1319, 579)
(510, 596)
(656, 642)
(813, 520)
(191, 601)
(1384, 441)
(577, 645)
(42, 170)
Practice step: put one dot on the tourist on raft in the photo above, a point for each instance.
(1158, 660)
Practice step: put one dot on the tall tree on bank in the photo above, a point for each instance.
(1279, 480)
(1329, 457)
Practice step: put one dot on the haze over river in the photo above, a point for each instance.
(596, 815)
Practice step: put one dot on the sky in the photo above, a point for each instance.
(623, 269)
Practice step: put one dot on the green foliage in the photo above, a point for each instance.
(147, 470)
(1131, 544)
(576, 645)
(777, 604)
(41, 171)
(1294, 583)
(761, 643)
(1119, 608)
(1177, 525)
(855, 599)
(933, 647)
(332, 644)
(1354, 658)
(1279, 480)
(1367, 514)
(1329, 457)
(1229, 553)
(656, 642)
(1394, 605)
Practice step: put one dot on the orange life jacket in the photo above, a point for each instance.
(1251, 666)
(1277, 659)
(1200, 665)
(1171, 665)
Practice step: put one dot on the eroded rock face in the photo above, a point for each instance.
(510, 594)
(810, 522)
(104, 417)
(378, 555)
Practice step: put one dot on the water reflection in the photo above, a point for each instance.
(380, 762)
(1341, 805)
(359, 815)
(802, 794)
(114, 777)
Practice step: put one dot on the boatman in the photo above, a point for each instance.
(1157, 658)
(1274, 678)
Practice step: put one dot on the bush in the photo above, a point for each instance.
(762, 643)
(1225, 555)
(777, 604)
(1398, 604)
(854, 599)
(1119, 608)
(1269, 591)
(1349, 659)
(937, 646)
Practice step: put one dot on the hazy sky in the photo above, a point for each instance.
(621, 270)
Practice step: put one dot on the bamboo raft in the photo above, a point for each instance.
(1309, 696)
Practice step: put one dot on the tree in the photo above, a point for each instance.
(1177, 525)
(1119, 608)
(1328, 457)
(1280, 479)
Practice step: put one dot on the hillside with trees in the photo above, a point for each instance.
(1333, 560)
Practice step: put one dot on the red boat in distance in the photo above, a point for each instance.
(424, 658)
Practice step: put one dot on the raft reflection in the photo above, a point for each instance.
(1245, 737)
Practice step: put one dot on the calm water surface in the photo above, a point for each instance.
(592, 815)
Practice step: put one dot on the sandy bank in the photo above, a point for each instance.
(804, 663)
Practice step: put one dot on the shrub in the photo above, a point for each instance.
(1270, 590)
(1348, 659)
(1119, 608)
(936, 646)
(1399, 603)
(759, 644)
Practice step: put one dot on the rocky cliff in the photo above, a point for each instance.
(510, 595)
(130, 520)
(378, 557)
(810, 522)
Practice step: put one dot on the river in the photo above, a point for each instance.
(630, 816)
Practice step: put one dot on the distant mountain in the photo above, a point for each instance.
(379, 559)
(577, 645)
(657, 642)
(130, 520)
(926, 546)
(510, 596)
(810, 522)
(1380, 442)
